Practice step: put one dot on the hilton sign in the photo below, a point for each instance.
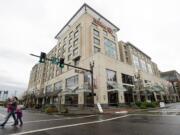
(97, 22)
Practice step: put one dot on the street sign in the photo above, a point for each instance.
(55, 60)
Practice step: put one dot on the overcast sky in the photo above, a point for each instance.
(29, 26)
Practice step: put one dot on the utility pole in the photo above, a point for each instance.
(92, 79)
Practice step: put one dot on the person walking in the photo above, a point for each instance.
(12, 104)
(19, 115)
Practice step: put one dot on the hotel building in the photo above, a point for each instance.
(122, 72)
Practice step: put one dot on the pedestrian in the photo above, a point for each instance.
(12, 104)
(19, 115)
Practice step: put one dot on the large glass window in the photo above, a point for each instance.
(72, 81)
(143, 65)
(111, 75)
(96, 33)
(96, 41)
(111, 79)
(127, 79)
(149, 68)
(87, 80)
(58, 86)
(48, 88)
(136, 62)
(110, 48)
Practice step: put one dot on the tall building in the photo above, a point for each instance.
(122, 73)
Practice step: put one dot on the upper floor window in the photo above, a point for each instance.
(95, 32)
(69, 57)
(70, 49)
(110, 48)
(96, 41)
(143, 65)
(76, 62)
(71, 34)
(136, 62)
(70, 41)
(149, 68)
(76, 34)
(76, 42)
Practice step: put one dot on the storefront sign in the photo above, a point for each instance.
(97, 22)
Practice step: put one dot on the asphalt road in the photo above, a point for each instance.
(154, 122)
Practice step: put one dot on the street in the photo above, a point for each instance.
(152, 122)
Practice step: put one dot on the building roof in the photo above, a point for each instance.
(171, 75)
(128, 43)
(86, 9)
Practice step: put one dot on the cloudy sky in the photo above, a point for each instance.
(29, 26)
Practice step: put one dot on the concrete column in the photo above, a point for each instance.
(121, 97)
(155, 96)
(51, 100)
(81, 98)
(43, 101)
(162, 98)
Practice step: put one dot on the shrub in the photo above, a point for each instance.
(144, 105)
(138, 103)
(51, 109)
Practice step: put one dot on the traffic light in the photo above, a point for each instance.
(61, 64)
(42, 57)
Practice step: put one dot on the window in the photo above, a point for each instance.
(58, 86)
(75, 51)
(111, 78)
(64, 47)
(76, 34)
(96, 41)
(96, 33)
(105, 33)
(48, 88)
(70, 49)
(111, 75)
(69, 57)
(78, 26)
(76, 42)
(70, 41)
(72, 81)
(127, 79)
(87, 80)
(65, 39)
(149, 68)
(110, 48)
(96, 49)
(136, 62)
(70, 34)
(143, 65)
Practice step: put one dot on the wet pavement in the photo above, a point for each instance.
(153, 122)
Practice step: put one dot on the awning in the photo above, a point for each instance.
(116, 86)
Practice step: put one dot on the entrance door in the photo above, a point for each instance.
(71, 99)
(113, 98)
(128, 97)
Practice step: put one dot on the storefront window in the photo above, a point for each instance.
(110, 48)
(127, 79)
(111, 77)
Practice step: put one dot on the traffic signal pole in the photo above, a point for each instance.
(88, 70)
